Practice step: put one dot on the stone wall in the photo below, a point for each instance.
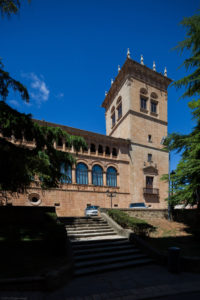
(146, 213)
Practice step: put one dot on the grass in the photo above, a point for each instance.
(171, 233)
(162, 234)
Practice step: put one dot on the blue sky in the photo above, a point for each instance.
(67, 52)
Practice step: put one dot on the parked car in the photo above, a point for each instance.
(138, 205)
(91, 211)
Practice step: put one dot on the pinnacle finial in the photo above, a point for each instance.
(119, 68)
(111, 81)
(165, 72)
(106, 93)
(154, 66)
(142, 60)
(128, 53)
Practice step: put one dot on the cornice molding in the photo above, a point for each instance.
(88, 135)
(133, 69)
(138, 114)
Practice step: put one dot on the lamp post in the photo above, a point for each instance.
(111, 195)
(169, 205)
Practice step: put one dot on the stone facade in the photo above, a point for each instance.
(136, 122)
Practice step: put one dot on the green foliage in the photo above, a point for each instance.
(139, 226)
(185, 182)
(8, 7)
(20, 164)
(7, 82)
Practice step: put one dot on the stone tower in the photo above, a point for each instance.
(136, 109)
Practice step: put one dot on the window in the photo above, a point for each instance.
(67, 173)
(92, 148)
(143, 103)
(59, 143)
(114, 152)
(149, 182)
(100, 149)
(81, 173)
(68, 145)
(154, 107)
(149, 157)
(113, 119)
(97, 175)
(149, 138)
(107, 150)
(119, 110)
(111, 176)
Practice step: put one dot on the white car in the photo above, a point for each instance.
(91, 211)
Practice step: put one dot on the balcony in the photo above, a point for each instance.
(151, 191)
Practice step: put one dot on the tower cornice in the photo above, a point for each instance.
(133, 69)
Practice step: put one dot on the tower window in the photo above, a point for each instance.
(113, 119)
(149, 158)
(143, 103)
(149, 138)
(119, 109)
(154, 107)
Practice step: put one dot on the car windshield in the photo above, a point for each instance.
(92, 207)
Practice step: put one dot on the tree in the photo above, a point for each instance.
(18, 163)
(186, 178)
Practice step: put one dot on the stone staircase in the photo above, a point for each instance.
(98, 248)
(86, 228)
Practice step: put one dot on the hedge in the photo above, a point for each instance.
(139, 226)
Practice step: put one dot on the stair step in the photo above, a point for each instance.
(90, 231)
(86, 227)
(107, 261)
(124, 252)
(74, 235)
(119, 265)
(103, 249)
(98, 243)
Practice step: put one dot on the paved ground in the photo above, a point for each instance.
(146, 282)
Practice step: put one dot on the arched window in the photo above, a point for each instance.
(111, 176)
(114, 152)
(68, 145)
(107, 150)
(67, 173)
(59, 143)
(100, 149)
(97, 175)
(92, 148)
(119, 107)
(81, 173)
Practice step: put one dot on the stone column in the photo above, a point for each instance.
(73, 174)
(104, 178)
(64, 146)
(89, 177)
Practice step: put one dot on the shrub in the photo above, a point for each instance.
(139, 226)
